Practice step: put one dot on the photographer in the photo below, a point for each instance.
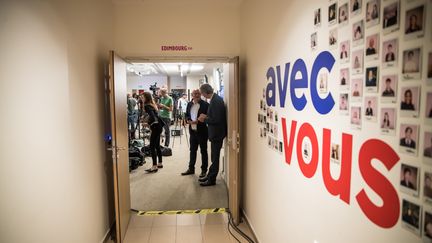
(165, 106)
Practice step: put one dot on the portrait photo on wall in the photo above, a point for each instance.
(332, 15)
(357, 61)
(414, 22)
(410, 101)
(343, 103)
(388, 120)
(427, 147)
(344, 79)
(411, 63)
(408, 138)
(355, 7)
(371, 108)
(429, 69)
(343, 14)
(323, 82)
(372, 48)
(428, 111)
(333, 37)
(427, 186)
(280, 147)
(390, 51)
(317, 17)
(356, 117)
(358, 33)
(409, 180)
(427, 227)
(314, 39)
(411, 216)
(371, 79)
(356, 90)
(391, 10)
(372, 12)
(335, 153)
(388, 88)
(344, 52)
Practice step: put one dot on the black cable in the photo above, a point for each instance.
(241, 233)
(229, 219)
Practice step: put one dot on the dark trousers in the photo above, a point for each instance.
(198, 139)
(215, 156)
(155, 149)
(167, 130)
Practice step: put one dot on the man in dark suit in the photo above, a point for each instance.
(406, 181)
(198, 133)
(407, 141)
(216, 120)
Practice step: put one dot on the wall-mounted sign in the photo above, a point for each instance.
(176, 48)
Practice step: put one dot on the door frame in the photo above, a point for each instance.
(235, 174)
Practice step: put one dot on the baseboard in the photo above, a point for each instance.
(250, 225)
(108, 233)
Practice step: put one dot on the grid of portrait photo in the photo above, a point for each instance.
(269, 120)
(383, 51)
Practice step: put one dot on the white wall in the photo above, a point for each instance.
(281, 203)
(55, 186)
(144, 82)
(177, 82)
(192, 82)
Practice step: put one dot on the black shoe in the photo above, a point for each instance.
(188, 172)
(208, 183)
(203, 174)
(203, 179)
(160, 165)
(151, 170)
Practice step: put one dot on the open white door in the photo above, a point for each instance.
(233, 105)
(117, 93)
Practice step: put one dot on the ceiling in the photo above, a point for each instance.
(180, 2)
(172, 69)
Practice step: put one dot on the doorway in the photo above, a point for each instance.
(117, 90)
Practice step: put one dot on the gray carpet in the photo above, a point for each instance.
(168, 190)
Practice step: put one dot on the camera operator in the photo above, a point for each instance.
(132, 109)
(165, 106)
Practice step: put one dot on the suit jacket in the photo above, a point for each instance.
(411, 145)
(216, 119)
(201, 127)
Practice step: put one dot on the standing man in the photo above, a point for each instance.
(132, 115)
(165, 108)
(198, 133)
(216, 121)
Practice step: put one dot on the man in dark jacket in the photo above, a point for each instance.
(216, 120)
(198, 133)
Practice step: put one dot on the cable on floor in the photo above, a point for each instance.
(239, 231)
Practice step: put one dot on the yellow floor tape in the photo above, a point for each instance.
(198, 211)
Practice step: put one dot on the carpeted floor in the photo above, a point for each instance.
(168, 190)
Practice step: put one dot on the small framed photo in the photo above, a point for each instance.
(356, 117)
(343, 103)
(269, 141)
(427, 147)
(389, 88)
(261, 132)
(428, 112)
(280, 147)
(314, 39)
(411, 213)
(390, 53)
(427, 227)
(307, 154)
(259, 118)
(388, 120)
(335, 153)
(410, 101)
(343, 14)
(408, 138)
(391, 16)
(317, 17)
(344, 52)
(411, 64)
(429, 69)
(276, 116)
(261, 104)
(358, 33)
(409, 180)
(372, 12)
(371, 110)
(357, 61)
(427, 187)
(333, 37)
(372, 49)
(414, 22)
(344, 79)
(371, 79)
(265, 132)
(323, 79)
(355, 7)
(275, 130)
(332, 13)
(264, 93)
(265, 119)
(356, 90)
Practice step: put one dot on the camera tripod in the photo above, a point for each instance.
(180, 121)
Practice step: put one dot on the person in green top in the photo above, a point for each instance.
(165, 108)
